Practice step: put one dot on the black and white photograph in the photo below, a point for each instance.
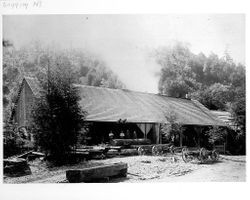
(123, 98)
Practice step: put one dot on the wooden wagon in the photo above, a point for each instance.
(144, 149)
(200, 154)
(160, 149)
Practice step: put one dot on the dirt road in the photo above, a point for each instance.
(148, 169)
(229, 169)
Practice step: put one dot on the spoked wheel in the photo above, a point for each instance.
(141, 151)
(185, 156)
(215, 155)
(171, 149)
(102, 156)
(203, 156)
(155, 151)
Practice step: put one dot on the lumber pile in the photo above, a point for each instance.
(94, 173)
(31, 155)
(91, 152)
(129, 142)
(129, 152)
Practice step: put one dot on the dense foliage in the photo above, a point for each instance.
(218, 83)
(15, 140)
(216, 134)
(57, 115)
(171, 131)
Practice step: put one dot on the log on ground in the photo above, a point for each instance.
(94, 173)
(16, 167)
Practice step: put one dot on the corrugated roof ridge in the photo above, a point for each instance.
(206, 111)
(127, 90)
(221, 112)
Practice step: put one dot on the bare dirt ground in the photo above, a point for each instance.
(147, 169)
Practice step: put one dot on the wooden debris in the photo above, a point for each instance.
(146, 161)
(16, 167)
(33, 155)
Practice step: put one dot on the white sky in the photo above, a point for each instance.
(125, 41)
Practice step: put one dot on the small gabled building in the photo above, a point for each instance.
(28, 91)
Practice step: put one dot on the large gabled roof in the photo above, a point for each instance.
(110, 105)
(105, 104)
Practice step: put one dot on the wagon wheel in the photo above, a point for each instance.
(155, 151)
(203, 155)
(214, 155)
(164, 150)
(171, 149)
(102, 156)
(141, 151)
(186, 158)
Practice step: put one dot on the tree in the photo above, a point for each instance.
(238, 110)
(12, 141)
(216, 134)
(175, 88)
(176, 76)
(171, 130)
(215, 97)
(57, 116)
(9, 72)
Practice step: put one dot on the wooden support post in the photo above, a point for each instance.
(226, 143)
(200, 134)
(181, 139)
(198, 130)
(224, 148)
(157, 132)
(160, 136)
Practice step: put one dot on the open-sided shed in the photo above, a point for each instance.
(146, 110)
(106, 107)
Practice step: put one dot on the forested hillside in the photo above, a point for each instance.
(33, 60)
(218, 83)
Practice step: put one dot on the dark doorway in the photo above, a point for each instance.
(190, 137)
(99, 131)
